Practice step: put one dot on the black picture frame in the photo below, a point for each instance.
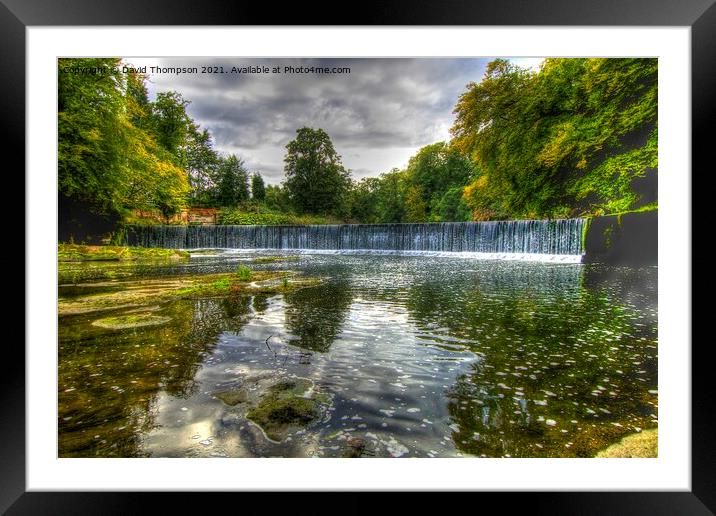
(699, 15)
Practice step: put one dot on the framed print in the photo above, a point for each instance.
(432, 235)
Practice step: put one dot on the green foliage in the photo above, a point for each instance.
(233, 181)
(222, 284)
(568, 140)
(202, 163)
(243, 273)
(238, 217)
(451, 206)
(390, 194)
(253, 214)
(88, 253)
(110, 155)
(316, 181)
(170, 123)
(276, 198)
(428, 190)
(431, 173)
(258, 189)
(362, 203)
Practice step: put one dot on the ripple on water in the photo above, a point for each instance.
(420, 357)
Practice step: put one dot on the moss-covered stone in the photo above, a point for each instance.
(644, 444)
(84, 253)
(99, 296)
(122, 322)
(232, 396)
(285, 406)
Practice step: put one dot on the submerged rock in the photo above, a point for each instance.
(232, 396)
(137, 320)
(286, 405)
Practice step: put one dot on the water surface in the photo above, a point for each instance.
(416, 356)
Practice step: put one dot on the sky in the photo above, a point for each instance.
(377, 116)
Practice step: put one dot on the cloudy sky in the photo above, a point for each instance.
(378, 115)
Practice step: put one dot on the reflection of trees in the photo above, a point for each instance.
(482, 302)
(117, 375)
(315, 315)
(260, 303)
(542, 351)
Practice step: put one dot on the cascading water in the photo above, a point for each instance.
(517, 239)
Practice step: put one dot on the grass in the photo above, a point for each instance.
(90, 253)
(644, 444)
(243, 273)
(254, 216)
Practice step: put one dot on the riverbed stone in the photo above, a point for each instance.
(136, 320)
(232, 396)
(286, 406)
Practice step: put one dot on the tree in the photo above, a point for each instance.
(108, 158)
(451, 207)
(577, 137)
(276, 198)
(316, 181)
(233, 182)
(363, 201)
(171, 123)
(202, 162)
(431, 173)
(391, 193)
(92, 132)
(258, 189)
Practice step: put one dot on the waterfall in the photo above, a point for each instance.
(561, 237)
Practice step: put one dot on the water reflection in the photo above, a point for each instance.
(109, 380)
(416, 356)
(314, 317)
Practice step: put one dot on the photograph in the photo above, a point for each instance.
(357, 257)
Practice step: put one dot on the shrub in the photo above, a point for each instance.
(243, 273)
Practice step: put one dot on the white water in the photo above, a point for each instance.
(531, 240)
(525, 257)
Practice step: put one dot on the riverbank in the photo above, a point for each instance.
(91, 253)
(88, 296)
(644, 444)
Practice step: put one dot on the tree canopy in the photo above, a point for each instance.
(570, 139)
(233, 185)
(316, 181)
(577, 137)
(258, 188)
(110, 152)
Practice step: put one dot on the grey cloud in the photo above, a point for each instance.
(382, 104)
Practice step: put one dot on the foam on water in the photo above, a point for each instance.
(527, 240)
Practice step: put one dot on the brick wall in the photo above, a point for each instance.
(185, 216)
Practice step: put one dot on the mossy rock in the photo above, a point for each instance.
(232, 396)
(84, 253)
(284, 407)
(644, 444)
(122, 322)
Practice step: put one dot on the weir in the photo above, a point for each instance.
(561, 237)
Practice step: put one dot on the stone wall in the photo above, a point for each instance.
(185, 216)
(627, 239)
